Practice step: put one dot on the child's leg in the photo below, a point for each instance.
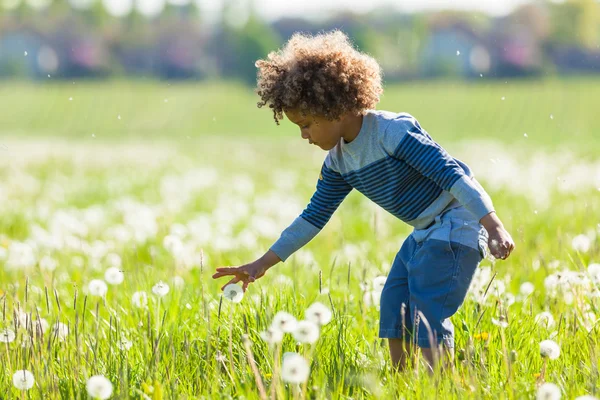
(445, 356)
(400, 352)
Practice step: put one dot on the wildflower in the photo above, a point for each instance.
(140, 299)
(23, 380)
(548, 391)
(372, 298)
(550, 349)
(586, 397)
(124, 344)
(272, 335)
(97, 287)
(284, 322)
(545, 319)
(295, 368)
(594, 271)
(160, 289)
(306, 332)
(114, 276)
(99, 387)
(481, 336)
(318, 313)
(233, 292)
(7, 336)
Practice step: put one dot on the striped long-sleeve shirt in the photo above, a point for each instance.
(396, 164)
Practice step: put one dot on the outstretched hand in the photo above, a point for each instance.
(246, 274)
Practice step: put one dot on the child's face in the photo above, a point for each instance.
(317, 130)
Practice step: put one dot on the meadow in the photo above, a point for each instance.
(119, 200)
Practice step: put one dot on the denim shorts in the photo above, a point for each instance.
(431, 273)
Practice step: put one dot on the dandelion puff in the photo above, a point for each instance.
(114, 276)
(372, 298)
(140, 299)
(586, 397)
(318, 313)
(272, 335)
(233, 292)
(545, 319)
(61, 331)
(581, 243)
(501, 322)
(294, 369)
(527, 288)
(379, 283)
(99, 387)
(285, 322)
(594, 271)
(548, 391)
(7, 336)
(23, 380)
(306, 332)
(97, 287)
(160, 289)
(550, 349)
(124, 344)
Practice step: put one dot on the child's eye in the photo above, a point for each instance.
(305, 127)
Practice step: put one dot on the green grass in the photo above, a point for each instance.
(57, 183)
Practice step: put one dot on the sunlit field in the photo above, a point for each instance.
(119, 200)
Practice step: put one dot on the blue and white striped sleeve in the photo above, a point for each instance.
(331, 191)
(417, 149)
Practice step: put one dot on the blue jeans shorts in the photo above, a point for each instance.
(431, 273)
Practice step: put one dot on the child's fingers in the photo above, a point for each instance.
(224, 271)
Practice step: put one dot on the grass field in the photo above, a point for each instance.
(192, 177)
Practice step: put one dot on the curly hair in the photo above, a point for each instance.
(320, 75)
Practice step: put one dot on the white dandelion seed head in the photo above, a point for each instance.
(178, 282)
(548, 391)
(114, 276)
(306, 332)
(586, 397)
(594, 271)
(581, 243)
(526, 288)
(550, 349)
(379, 283)
(371, 298)
(160, 289)
(272, 335)
(42, 323)
(295, 368)
(124, 344)
(140, 299)
(7, 336)
(99, 387)
(23, 380)
(318, 313)
(501, 322)
(61, 331)
(284, 321)
(97, 287)
(545, 319)
(233, 292)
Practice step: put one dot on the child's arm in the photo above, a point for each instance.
(331, 191)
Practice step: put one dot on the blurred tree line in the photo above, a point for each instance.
(62, 41)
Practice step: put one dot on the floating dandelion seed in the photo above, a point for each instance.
(188, 306)
(97, 287)
(23, 380)
(550, 349)
(25, 53)
(525, 135)
(295, 368)
(318, 313)
(140, 299)
(285, 322)
(233, 292)
(272, 335)
(548, 391)
(114, 276)
(551, 116)
(458, 52)
(119, 116)
(99, 387)
(160, 289)
(70, 99)
(481, 75)
(502, 98)
(7, 336)
(306, 332)
(93, 135)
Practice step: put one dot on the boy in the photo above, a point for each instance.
(330, 90)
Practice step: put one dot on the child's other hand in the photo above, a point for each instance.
(500, 243)
(246, 274)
